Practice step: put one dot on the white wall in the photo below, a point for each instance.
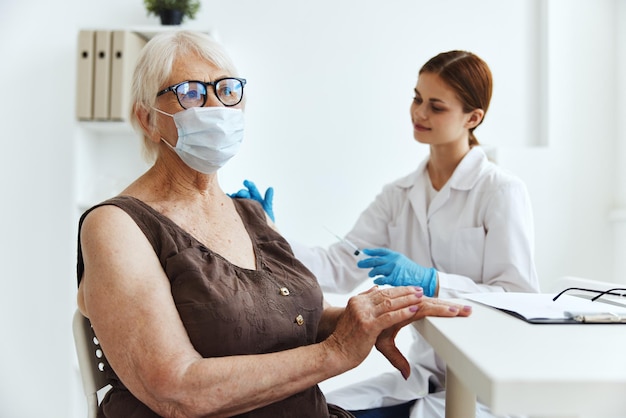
(330, 84)
(573, 181)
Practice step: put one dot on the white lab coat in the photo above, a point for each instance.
(478, 234)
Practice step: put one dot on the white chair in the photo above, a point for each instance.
(90, 361)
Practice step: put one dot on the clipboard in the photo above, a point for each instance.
(539, 308)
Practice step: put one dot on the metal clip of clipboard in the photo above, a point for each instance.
(597, 317)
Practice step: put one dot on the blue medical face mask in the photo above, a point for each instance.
(207, 136)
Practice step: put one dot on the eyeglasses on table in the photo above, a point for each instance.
(600, 293)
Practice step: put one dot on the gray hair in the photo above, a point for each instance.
(154, 67)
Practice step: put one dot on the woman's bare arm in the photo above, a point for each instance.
(127, 296)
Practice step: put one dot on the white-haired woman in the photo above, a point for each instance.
(200, 307)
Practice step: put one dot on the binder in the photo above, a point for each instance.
(126, 46)
(84, 74)
(102, 75)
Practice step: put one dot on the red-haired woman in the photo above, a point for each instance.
(458, 224)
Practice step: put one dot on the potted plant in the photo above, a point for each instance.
(172, 12)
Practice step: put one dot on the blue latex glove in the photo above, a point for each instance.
(397, 270)
(251, 192)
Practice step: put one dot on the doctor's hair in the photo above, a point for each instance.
(154, 69)
(469, 76)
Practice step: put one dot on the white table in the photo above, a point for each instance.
(518, 368)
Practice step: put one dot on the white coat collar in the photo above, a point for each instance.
(468, 171)
(464, 177)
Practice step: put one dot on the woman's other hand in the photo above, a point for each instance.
(366, 315)
(386, 343)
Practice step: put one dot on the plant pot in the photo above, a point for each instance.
(171, 17)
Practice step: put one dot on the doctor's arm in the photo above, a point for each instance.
(336, 266)
(507, 248)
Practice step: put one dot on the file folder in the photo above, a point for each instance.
(102, 75)
(84, 74)
(126, 46)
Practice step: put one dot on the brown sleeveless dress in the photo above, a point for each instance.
(228, 310)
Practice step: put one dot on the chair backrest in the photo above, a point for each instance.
(90, 361)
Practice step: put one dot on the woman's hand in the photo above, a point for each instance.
(426, 307)
(366, 316)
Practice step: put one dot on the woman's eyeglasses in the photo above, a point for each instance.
(600, 293)
(193, 93)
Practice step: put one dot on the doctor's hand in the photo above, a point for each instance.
(397, 270)
(251, 192)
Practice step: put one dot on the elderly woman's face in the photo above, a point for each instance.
(186, 69)
(191, 68)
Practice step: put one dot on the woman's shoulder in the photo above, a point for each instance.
(251, 210)
(116, 205)
(124, 213)
(497, 176)
(496, 182)
(407, 181)
(479, 171)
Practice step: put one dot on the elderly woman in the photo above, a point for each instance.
(199, 304)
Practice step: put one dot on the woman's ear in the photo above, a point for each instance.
(476, 116)
(143, 116)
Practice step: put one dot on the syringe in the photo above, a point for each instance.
(349, 243)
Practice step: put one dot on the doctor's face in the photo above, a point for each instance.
(437, 113)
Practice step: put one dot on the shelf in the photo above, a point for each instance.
(150, 31)
(108, 127)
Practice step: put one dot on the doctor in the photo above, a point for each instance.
(458, 224)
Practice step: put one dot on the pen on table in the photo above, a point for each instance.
(350, 244)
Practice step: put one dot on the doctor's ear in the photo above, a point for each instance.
(476, 116)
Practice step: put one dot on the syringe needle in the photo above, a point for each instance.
(356, 249)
